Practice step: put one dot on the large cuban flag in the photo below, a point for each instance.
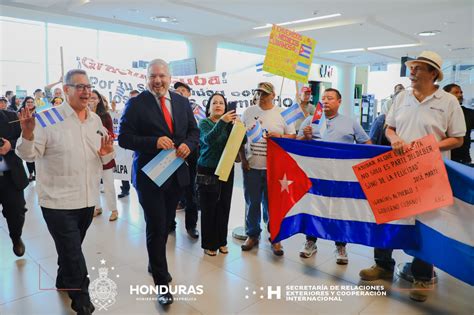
(312, 189)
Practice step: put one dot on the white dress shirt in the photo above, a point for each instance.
(68, 165)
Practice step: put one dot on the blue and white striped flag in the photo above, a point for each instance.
(259, 67)
(120, 90)
(162, 166)
(446, 235)
(292, 113)
(302, 69)
(255, 133)
(49, 117)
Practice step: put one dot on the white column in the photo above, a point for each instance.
(346, 75)
(204, 50)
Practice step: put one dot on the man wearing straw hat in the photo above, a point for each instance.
(425, 109)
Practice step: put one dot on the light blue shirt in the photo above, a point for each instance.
(338, 129)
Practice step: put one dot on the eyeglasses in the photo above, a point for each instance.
(81, 87)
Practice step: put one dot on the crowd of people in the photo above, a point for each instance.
(69, 161)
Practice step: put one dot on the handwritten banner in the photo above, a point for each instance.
(289, 54)
(400, 186)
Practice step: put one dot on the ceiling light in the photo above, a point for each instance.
(428, 33)
(459, 48)
(163, 19)
(343, 50)
(393, 46)
(300, 21)
(264, 26)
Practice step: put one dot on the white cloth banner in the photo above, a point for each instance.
(123, 161)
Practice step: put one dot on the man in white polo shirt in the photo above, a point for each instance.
(425, 109)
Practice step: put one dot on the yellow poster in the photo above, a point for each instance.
(230, 151)
(289, 54)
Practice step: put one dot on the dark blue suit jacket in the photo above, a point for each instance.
(12, 133)
(141, 125)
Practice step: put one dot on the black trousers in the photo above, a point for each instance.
(125, 188)
(189, 195)
(214, 202)
(68, 229)
(420, 269)
(31, 167)
(159, 207)
(13, 203)
(314, 239)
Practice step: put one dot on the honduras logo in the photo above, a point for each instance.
(103, 290)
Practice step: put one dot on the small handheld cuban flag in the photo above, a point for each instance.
(48, 117)
(292, 113)
(199, 113)
(305, 51)
(120, 90)
(255, 133)
(259, 67)
(318, 113)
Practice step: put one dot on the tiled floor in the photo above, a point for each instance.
(228, 280)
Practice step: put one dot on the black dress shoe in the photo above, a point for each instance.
(193, 233)
(169, 278)
(84, 309)
(18, 247)
(165, 299)
(123, 194)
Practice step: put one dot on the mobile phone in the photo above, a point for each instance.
(232, 106)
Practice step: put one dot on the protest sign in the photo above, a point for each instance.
(289, 54)
(400, 186)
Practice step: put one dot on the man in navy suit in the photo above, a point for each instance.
(156, 120)
(13, 180)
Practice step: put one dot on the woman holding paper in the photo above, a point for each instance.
(30, 103)
(98, 105)
(214, 195)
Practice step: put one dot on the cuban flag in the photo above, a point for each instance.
(199, 113)
(446, 236)
(312, 189)
(292, 113)
(259, 67)
(48, 117)
(162, 166)
(318, 113)
(302, 69)
(255, 133)
(120, 90)
(305, 51)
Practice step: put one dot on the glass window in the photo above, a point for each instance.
(22, 56)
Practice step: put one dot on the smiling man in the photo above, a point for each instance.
(425, 109)
(156, 120)
(69, 156)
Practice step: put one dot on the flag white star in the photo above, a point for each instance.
(285, 183)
